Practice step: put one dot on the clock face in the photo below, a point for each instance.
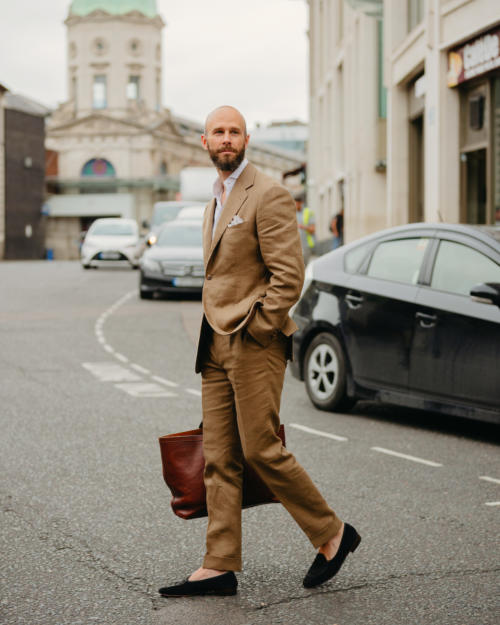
(134, 47)
(99, 46)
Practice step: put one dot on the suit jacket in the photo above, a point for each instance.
(254, 269)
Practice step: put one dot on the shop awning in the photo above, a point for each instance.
(91, 205)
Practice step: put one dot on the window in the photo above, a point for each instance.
(133, 85)
(74, 91)
(382, 90)
(458, 268)
(398, 260)
(354, 258)
(158, 93)
(415, 13)
(99, 167)
(99, 99)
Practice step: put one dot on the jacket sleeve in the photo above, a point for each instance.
(281, 252)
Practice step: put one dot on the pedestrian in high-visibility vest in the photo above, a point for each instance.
(307, 228)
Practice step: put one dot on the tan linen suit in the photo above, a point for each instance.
(254, 272)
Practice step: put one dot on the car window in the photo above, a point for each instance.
(165, 213)
(458, 268)
(173, 235)
(398, 260)
(118, 229)
(354, 258)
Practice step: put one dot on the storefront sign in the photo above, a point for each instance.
(478, 56)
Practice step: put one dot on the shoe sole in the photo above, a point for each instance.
(355, 544)
(217, 593)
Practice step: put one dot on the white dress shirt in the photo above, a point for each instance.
(228, 183)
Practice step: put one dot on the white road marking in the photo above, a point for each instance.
(110, 372)
(140, 369)
(193, 391)
(109, 349)
(164, 381)
(487, 478)
(430, 463)
(492, 503)
(101, 340)
(145, 389)
(121, 357)
(304, 428)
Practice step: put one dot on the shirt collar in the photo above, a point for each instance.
(230, 181)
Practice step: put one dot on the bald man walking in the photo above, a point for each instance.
(254, 272)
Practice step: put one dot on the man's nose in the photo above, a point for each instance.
(227, 137)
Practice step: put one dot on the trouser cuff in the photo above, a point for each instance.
(222, 564)
(331, 530)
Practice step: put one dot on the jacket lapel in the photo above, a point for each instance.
(233, 204)
(208, 222)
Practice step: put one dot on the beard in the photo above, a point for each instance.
(227, 162)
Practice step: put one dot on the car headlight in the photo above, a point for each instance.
(150, 265)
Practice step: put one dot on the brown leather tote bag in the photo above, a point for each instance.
(183, 466)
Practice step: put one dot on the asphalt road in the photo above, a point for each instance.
(90, 376)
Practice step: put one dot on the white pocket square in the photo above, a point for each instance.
(235, 221)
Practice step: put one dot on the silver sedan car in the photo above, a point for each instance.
(174, 264)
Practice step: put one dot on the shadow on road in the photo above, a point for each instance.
(433, 421)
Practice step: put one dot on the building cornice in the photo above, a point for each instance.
(99, 16)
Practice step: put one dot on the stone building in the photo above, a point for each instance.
(347, 146)
(405, 112)
(117, 149)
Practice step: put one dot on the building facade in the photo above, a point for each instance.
(443, 82)
(113, 136)
(405, 118)
(347, 147)
(3, 90)
(22, 174)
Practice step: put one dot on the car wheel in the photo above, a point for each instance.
(325, 374)
(145, 294)
(86, 266)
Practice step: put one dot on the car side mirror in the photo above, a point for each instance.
(487, 293)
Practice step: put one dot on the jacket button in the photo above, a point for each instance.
(208, 276)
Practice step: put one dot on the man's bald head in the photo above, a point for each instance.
(223, 112)
(225, 138)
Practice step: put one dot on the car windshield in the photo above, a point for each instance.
(115, 228)
(164, 213)
(180, 235)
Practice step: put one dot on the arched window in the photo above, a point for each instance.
(98, 167)
(163, 168)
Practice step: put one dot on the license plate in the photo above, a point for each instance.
(110, 255)
(188, 281)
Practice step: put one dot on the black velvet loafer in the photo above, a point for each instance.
(322, 569)
(225, 584)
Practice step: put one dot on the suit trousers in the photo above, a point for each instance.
(241, 392)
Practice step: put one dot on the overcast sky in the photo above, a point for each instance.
(252, 54)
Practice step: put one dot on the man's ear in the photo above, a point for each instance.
(204, 142)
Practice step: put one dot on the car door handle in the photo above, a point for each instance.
(426, 321)
(353, 301)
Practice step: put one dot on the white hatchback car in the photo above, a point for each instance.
(111, 241)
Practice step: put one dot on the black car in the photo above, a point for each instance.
(407, 316)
